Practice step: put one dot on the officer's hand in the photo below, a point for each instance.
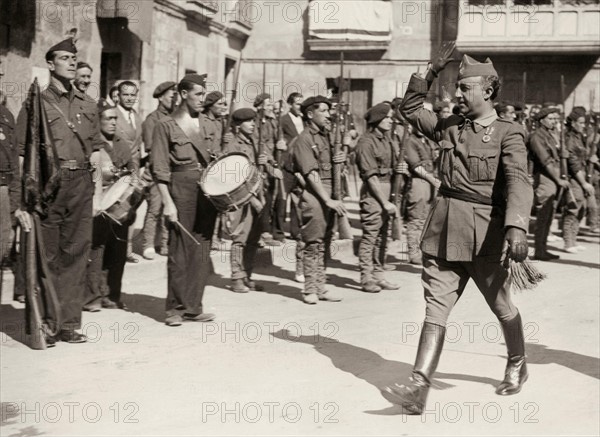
(340, 158)
(170, 212)
(281, 145)
(515, 244)
(589, 189)
(443, 57)
(402, 168)
(277, 174)
(228, 138)
(263, 159)
(337, 206)
(390, 208)
(24, 219)
(563, 183)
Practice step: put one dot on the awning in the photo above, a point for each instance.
(350, 20)
(137, 12)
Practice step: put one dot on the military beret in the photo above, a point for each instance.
(469, 67)
(199, 79)
(104, 105)
(212, 98)
(260, 99)
(577, 112)
(163, 88)
(314, 101)
(68, 45)
(544, 112)
(241, 115)
(377, 113)
(83, 65)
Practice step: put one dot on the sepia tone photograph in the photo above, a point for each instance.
(299, 218)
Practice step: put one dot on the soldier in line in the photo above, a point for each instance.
(480, 217)
(165, 93)
(67, 229)
(580, 188)
(211, 121)
(246, 223)
(109, 239)
(312, 159)
(10, 182)
(178, 158)
(421, 189)
(376, 159)
(543, 150)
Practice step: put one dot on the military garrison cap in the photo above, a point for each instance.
(241, 115)
(469, 67)
(104, 105)
(199, 79)
(314, 101)
(163, 88)
(68, 45)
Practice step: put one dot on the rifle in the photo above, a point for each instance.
(344, 228)
(590, 143)
(278, 189)
(261, 150)
(564, 154)
(398, 182)
(227, 122)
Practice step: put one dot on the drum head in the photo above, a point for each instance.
(114, 193)
(226, 174)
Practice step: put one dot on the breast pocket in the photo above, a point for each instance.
(483, 164)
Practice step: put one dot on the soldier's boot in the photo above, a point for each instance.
(412, 397)
(310, 256)
(569, 233)
(324, 294)
(542, 230)
(516, 367)
(412, 239)
(365, 263)
(299, 277)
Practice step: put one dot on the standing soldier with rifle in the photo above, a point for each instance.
(376, 160)
(420, 160)
(312, 158)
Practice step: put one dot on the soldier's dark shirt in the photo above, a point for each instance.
(374, 155)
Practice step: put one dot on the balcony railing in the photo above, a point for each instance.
(529, 26)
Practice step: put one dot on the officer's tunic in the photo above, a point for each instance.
(485, 189)
(67, 229)
(178, 162)
(375, 156)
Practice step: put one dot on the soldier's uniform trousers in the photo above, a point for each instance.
(296, 224)
(316, 232)
(444, 282)
(67, 235)
(5, 223)
(375, 223)
(188, 264)
(246, 227)
(545, 195)
(572, 216)
(154, 218)
(107, 261)
(418, 204)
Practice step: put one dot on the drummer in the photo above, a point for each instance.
(109, 238)
(245, 223)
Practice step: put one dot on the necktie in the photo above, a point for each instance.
(131, 121)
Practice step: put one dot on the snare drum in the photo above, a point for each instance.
(122, 199)
(231, 181)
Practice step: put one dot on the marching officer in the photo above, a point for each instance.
(422, 184)
(67, 229)
(311, 157)
(543, 150)
(246, 223)
(483, 209)
(178, 159)
(376, 159)
(166, 94)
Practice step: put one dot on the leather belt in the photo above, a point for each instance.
(466, 197)
(186, 167)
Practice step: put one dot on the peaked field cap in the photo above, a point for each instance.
(67, 45)
(260, 99)
(317, 100)
(243, 114)
(377, 113)
(212, 98)
(198, 79)
(163, 88)
(104, 105)
(469, 67)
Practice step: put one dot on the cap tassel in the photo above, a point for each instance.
(525, 275)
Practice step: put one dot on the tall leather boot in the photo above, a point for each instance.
(516, 367)
(412, 397)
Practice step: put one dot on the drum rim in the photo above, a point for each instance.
(214, 163)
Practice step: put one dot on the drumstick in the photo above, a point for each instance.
(186, 232)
